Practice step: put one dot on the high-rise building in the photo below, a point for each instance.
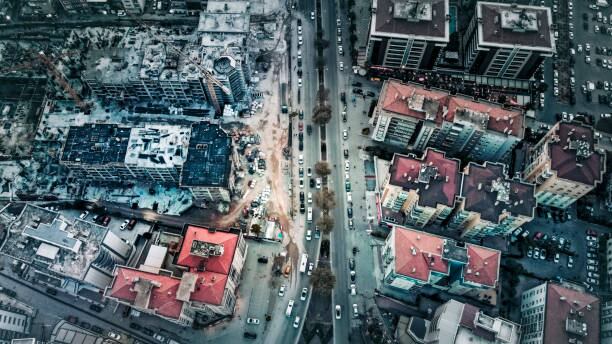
(552, 313)
(460, 323)
(606, 323)
(133, 6)
(409, 116)
(491, 203)
(420, 191)
(407, 34)
(565, 164)
(413, 259)
(185, 278)
(508, 40)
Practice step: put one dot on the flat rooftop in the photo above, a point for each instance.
(488, 191)
(435, 177)
(425, 20)
(159, 146)
(573, 155)
(215, 6)
(511, 25)
(96, 144)
(208, 160)
(232, 23)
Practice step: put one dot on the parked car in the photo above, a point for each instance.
(253, 321)
(124, 225)
(304, 294)
(296, 322)
(281, 290)
(338, 312)
(114, 335)
(570, 261)
(95, 308)
(250, 335)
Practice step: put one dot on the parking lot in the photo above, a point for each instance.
(578, 73)
(557, 249)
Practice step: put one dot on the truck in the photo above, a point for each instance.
(303, 263)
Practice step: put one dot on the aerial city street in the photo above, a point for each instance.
(305, 171)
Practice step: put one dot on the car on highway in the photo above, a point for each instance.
(347, 186)
(353, 289)
(253, 321)
(353, 276)
(355, 310)
(347, 165)
(281, 290)
(341, 66)
(309, 172)
(345, 134)
(304, 294)
(310, 197)
(352, 263)
(289, 308)
(310, 268)
(308, 235)
(312, 16)
(299, 82)
(250, 335)
(349, 212)
(296, 322)
(338, 312)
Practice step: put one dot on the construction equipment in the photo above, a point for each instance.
(211, 80)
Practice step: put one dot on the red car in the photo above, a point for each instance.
(106, 221)
(592, 232)
(301, 126)
(538, 236)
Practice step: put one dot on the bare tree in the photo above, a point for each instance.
(325, 199)
(323, 280)
(325, 223)
(256, 229)
(322, 168)
(322, 114)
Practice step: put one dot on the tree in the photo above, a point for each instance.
(256, 229)
(322, 94)
(321, 43)
(322, 114)
(325, 223)
(323, 280)
(325, 199)
(322, 168)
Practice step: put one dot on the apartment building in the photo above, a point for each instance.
(565, 165)
(606, 322)
(491, 203)
(197, 157)
(552, 313)
(508, 40)
(15, 324)
(459, 323)
(407, 34)
(409, 116)
(420, 191)
(413, 259)
(187, 278)
(133, 6)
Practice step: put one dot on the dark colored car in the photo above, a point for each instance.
(106, 220)
(135, 326)
(51, 291)
(85, 325)
(357, 84)
(302, 208)
(147, 331)
(131, 224)
(263, 260)
(97, 329)
(72, 319)
(312, 183)
(371, 94)
(95, 308)
(349, 212)
(250, 335)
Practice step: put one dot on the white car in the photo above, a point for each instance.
(579, 48)
(341, 66)
(347, 165)
(304, 294)
(556, 258)
(570, 261)
(309, 197)
(296, 322)
(312, 15)
(318, 180)
(124, 225)
(114, 335)
(281, 291)
(310, 268)
(355, 310)
(299, 82)
(345, 134)
(253, 321)
(300, 40)
(84, 215)
(353, 289)
(299, 30)
(121, 13)
(338, 312)
(308, 235)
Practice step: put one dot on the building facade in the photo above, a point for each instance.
(421, 191)
(133, 6)
(409, 116)
(407, 34)
(552, 313)
(459, 323)
(491, 204)
(606, 322)
(195, 281)
(413, 259)
(508, 40)
(565, 164)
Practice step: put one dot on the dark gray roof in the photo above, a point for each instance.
(208, 160)
(96, 144)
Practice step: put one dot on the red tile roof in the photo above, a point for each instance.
(559, 301)
(565, 160)
(418, 253)
(405, 173)
(209, 288)
(162, 299)
(219, 264)
(398, 98)
(483, 265)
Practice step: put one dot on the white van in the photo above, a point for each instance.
(289, 308)
(309, 215)
(303, 262)
(349, 197)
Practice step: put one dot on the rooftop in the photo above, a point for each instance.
(418, 254)
(479, 328)
(158, 146)
(208, 160)
(229, 23)
(221, 6)
(487, 190)
(96, 144)
(573, 155)
(435, 177)
(413, 100)
(511, 25)
(81, 250)
(426, 20)
(207, 250)
(571, 315)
